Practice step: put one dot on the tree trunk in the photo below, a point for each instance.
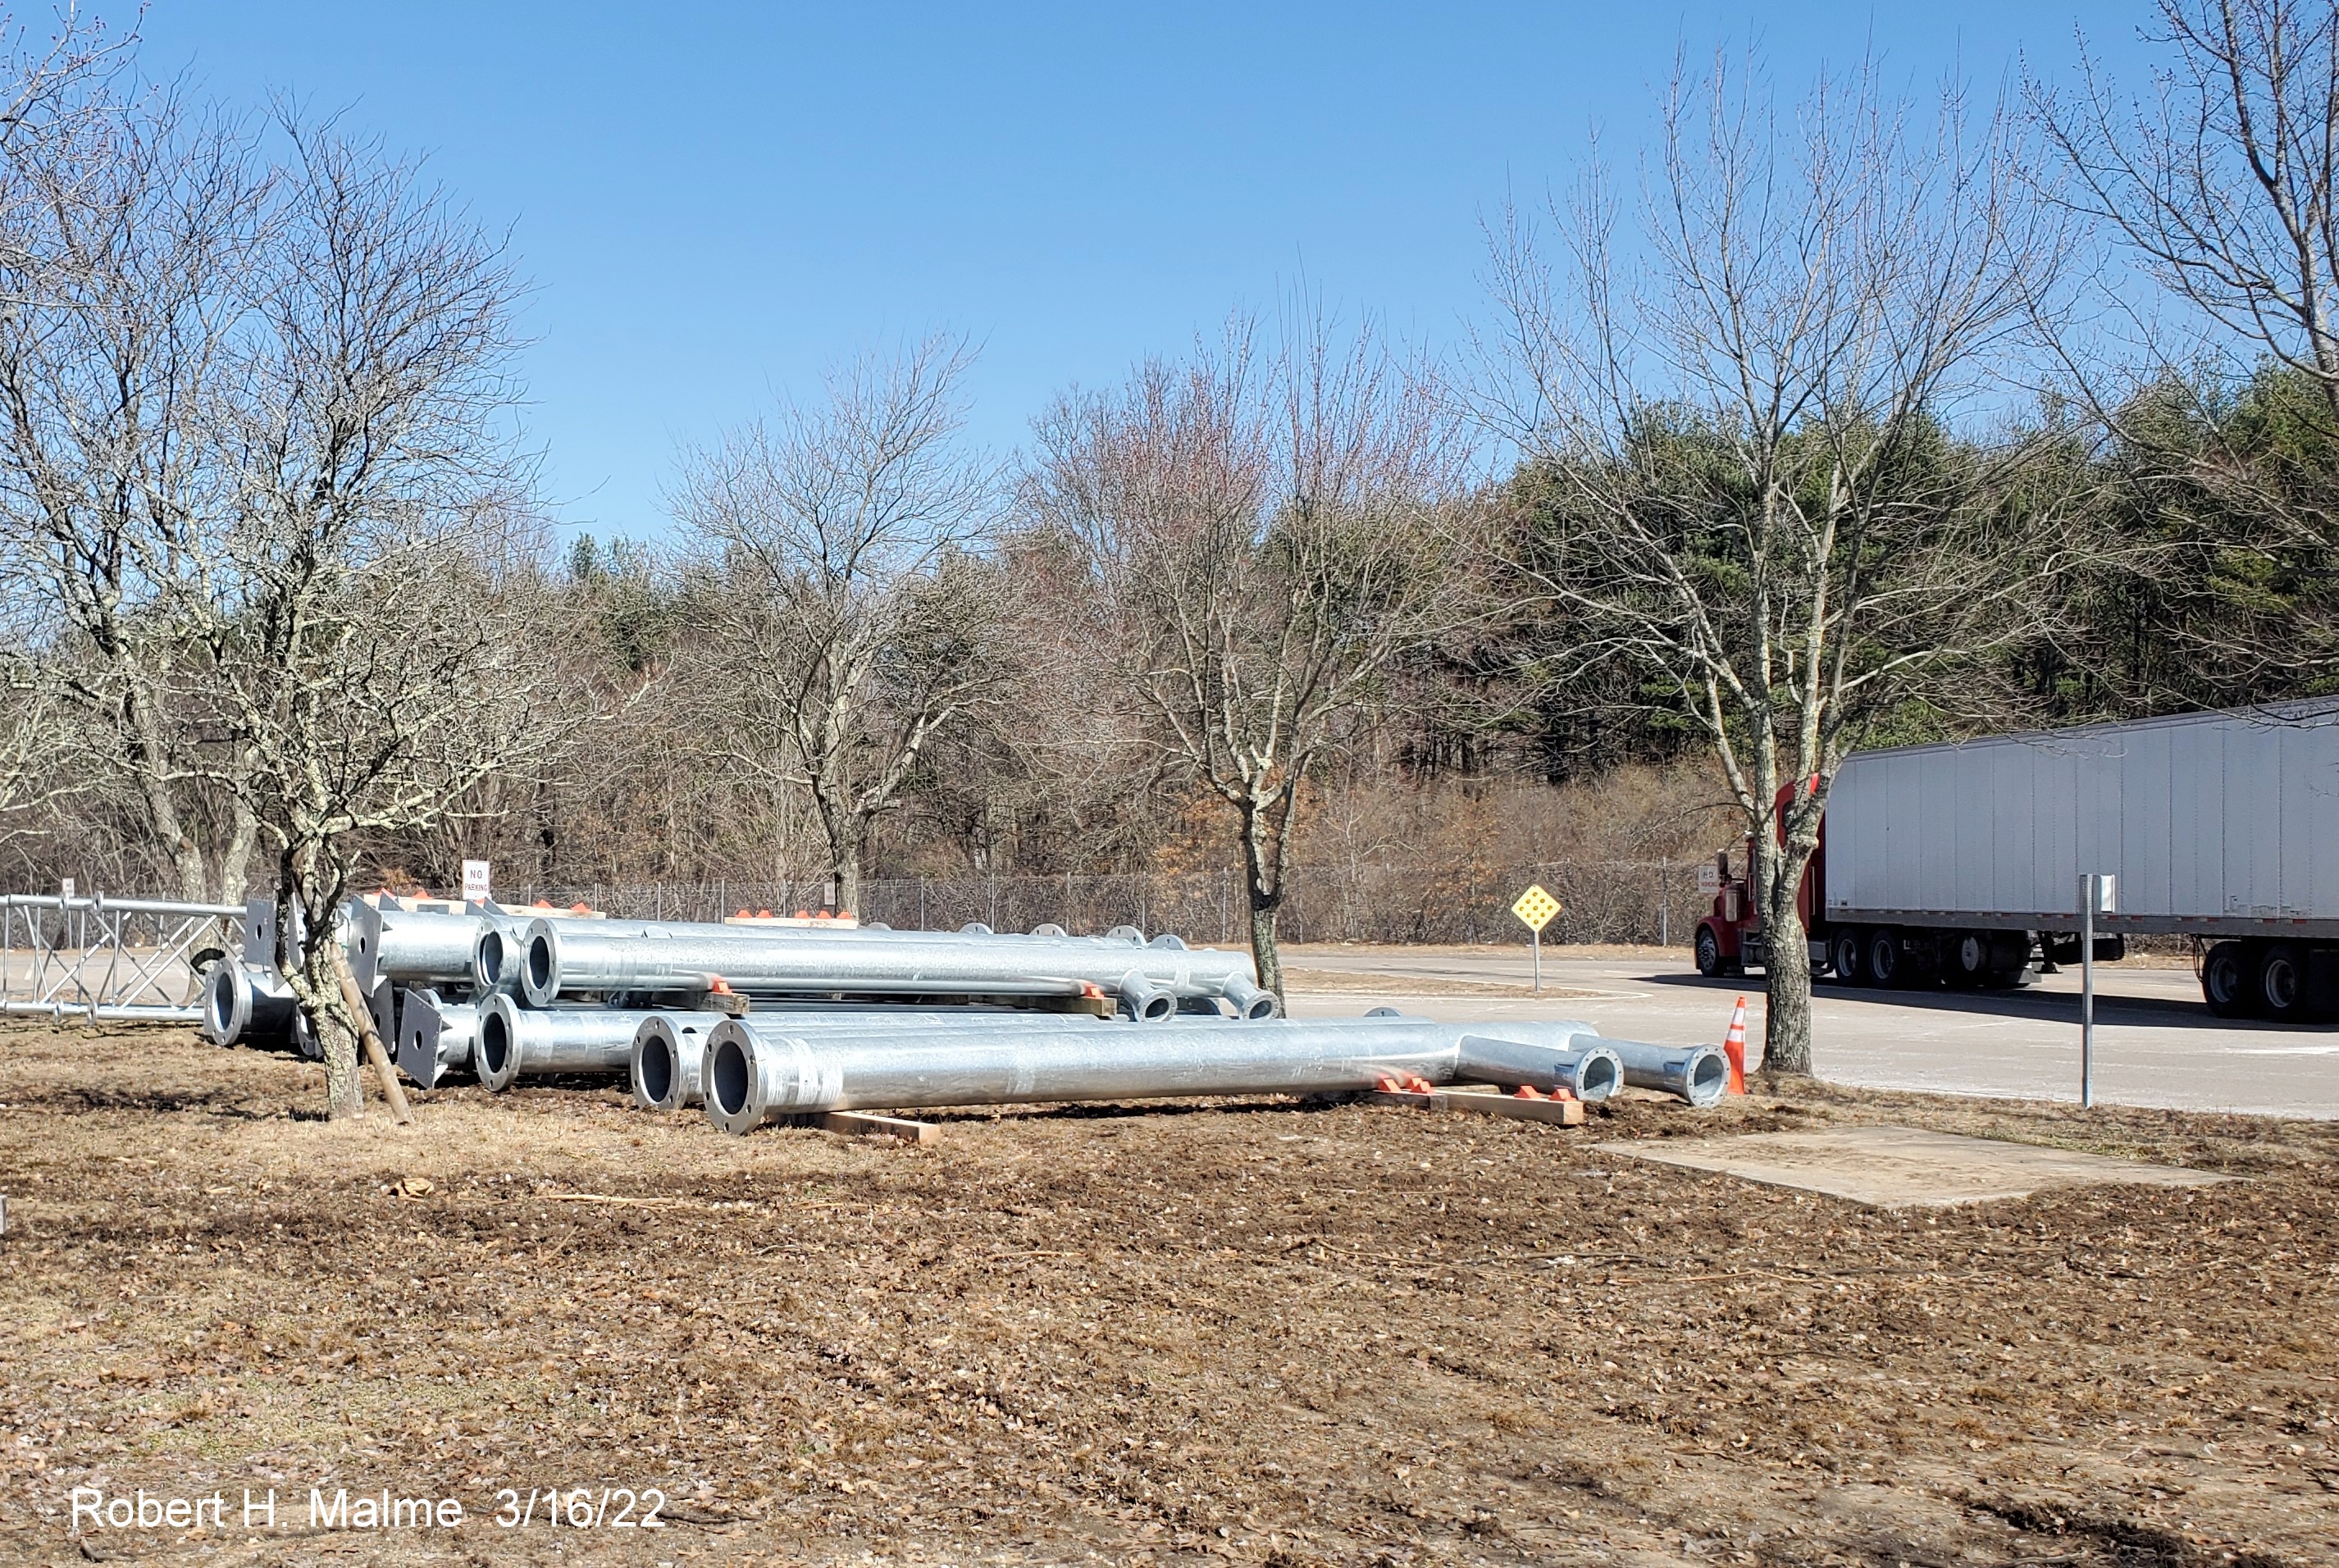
(344, 1094)
(319, 986)
(235, 860)
(846, 830)
(1265, 826)
(847, 871)
(1787, 972)
(847, 853)
(150, 756)
(316, 980)
(1264, 908)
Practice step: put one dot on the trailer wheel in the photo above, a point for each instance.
(1848, 968)
(1885, 965)
(1709, 953)
(2226, 981)
(1970, 959)
(2282, 984)
(2005, 960)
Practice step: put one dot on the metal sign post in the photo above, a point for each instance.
(1534, 909)
(2098, 896)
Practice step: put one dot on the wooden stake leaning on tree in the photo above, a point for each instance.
(361, 1018)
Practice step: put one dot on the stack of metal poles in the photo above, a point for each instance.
(758, 1021)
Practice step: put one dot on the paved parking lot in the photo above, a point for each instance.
(2156, 1043)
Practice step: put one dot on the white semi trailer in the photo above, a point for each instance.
(1960, 864)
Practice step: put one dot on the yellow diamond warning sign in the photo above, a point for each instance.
(1535, 907)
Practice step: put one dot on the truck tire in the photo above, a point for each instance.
(1887, 964)
(2228, 980)
(2006, 963)
(2282, 984)
(1850, 968)
(1709, 953)
(1968, 955)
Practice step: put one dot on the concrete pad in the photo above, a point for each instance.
(1905, 1166)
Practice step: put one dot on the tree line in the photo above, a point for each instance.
(1841, 417)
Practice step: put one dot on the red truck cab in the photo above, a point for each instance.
(1730, 936)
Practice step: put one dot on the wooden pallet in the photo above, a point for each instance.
(1485, 1103)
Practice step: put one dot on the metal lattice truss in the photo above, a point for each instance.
(108, 958)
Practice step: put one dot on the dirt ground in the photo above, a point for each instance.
(1267, 1333)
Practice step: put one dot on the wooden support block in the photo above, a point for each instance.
(868, 1124)
(1559, 1112)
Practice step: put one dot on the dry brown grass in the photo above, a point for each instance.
(1259, 1332)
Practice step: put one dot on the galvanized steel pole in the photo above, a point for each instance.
(570, 957)
(766, 1066)
(2087, 894)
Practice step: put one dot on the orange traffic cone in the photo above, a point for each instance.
(1733, 1045)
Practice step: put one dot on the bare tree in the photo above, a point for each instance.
(35, 733)
(1060, 774)
(39, 739)
(125, 225)
(1737, 409)
(2218, 390)
(2222, 186)
(850, 613)
(1268, 536)
(49, 82)
(367, 671)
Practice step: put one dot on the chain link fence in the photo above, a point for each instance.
(1617, 901)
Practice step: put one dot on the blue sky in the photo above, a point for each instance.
(715, 201)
